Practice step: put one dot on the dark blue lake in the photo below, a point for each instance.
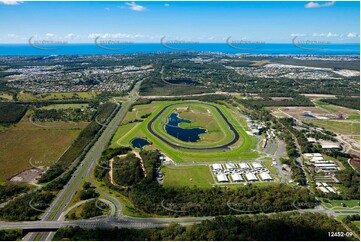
(139, 143)
(184, 134)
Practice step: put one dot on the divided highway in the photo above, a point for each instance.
(84, 170)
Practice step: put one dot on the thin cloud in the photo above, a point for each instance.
(13, 35)
(135, 7)
(116, 36)
(318, 5)
(166, 5)
(10, 2)
(298, 35)
(328, 35)
(49, 35)
(352, 35)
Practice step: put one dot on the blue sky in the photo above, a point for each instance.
(270, 22)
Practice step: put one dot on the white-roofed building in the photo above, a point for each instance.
(317, 154)
(257, 165)
(230, 166)
(331, 189)
(237, 178)
(265, 176)
(329, 166)
(251, 177)
(255, 131)
(217, 167)
(308, 155)
(323, 189)
(329, 145)
(243, 166)
(323, 162)
(222, 178)
(317, 158)
(311, 140)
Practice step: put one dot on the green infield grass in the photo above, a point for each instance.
(243, 149)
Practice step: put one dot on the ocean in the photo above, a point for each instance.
(259, 49)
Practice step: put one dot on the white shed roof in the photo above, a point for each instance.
(265, 176)
(317, 158)
(257, 165)
(236, 177)
(317, 154)
(230, 166)
(308, 154)
(222, 178)
(217, 167)
(331, 189)
(243, 165)
(326, 165)
(323, 189)
(251, 177)
(330, 146)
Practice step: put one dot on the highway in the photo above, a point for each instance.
(54, 217)
(141, 223)
(84, 170)
(102, 222)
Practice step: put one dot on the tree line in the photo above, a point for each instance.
(11, 113)
(151, 197)
(292, 226)
(343, 101)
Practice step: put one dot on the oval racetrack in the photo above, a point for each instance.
(177, 146)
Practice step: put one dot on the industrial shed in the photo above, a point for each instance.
(222, 178)
(230, 166)
(243, 166)
(237, 178)
(257, 165)
(265, 176)
(217, 167)
(251, 177)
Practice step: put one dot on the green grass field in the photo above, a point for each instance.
(24, 141)
(242, 150)
(138, 111)
(338, 204)
(339, 127)
(56, 96)
(65, 106)
(352, 114)
(197, 175)
(201, 176)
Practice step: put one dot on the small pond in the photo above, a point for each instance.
(309, 115)
(139, 143)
